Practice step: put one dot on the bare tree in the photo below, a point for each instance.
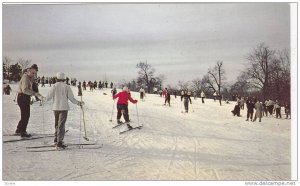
(215, 78)
(259, 68)
(23, 63)
(198, 85)
(280, 77)
(183, 85)
(146, 73)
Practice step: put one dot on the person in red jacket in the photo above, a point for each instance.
(122, 105)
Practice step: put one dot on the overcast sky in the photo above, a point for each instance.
(181, 41)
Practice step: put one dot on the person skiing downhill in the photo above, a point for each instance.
(187, 98)
(122, 105)
(61, 93)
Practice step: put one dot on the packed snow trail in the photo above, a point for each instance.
(207, 144)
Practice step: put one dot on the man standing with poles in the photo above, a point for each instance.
(23, 99)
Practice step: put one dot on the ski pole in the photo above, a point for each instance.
(87, 139)
(79, 129)
(112, 112)
(43, 122)
(192, 107)
(137, 115)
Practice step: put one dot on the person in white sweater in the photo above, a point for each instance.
(60, 93)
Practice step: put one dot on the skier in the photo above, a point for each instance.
(236, 110)
(122, 105)
(7, 90)
(242, 103)
(111, 84)
(250, 108)
(187, 98)
(79, 89)
(155, 90)
(202, 96)
(43, 81)
(168, 98)
(271, 106)
(287, 110)
(142, 94)
(61, 93)
(84, 85)
(265, 110)
(113, 92)
(164, 92)
(258, 114)
(277, 109)
(106, 84)
(24, 93)
(95, 84)
(91, 85)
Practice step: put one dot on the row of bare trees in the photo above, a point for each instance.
(267, 72)
(266, 76)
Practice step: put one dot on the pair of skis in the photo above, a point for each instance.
(129, 129)
(47, 148)
(30, 138)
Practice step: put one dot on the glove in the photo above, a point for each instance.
(39, 96)
(80, 103)
(43, 99)
(136, 101)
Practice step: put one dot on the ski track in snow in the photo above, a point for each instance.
(207, 143)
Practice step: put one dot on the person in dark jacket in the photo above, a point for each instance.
(24, 94)
(114, 91)
(7, 90)
(250, 109)
(287, 110)
(168, 98)
(277, 109)
(79, 89)
(186, 98)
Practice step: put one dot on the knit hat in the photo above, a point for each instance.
(60, 76)
(125, 89)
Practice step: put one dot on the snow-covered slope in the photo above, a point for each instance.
(208, 143)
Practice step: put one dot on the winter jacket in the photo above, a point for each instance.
(25, 85)
(186, 97)
(61, 93)
(259, 109)
(202, 95)
(250, 107)
(123, 98)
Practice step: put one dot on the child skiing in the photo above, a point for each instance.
(122, 105)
